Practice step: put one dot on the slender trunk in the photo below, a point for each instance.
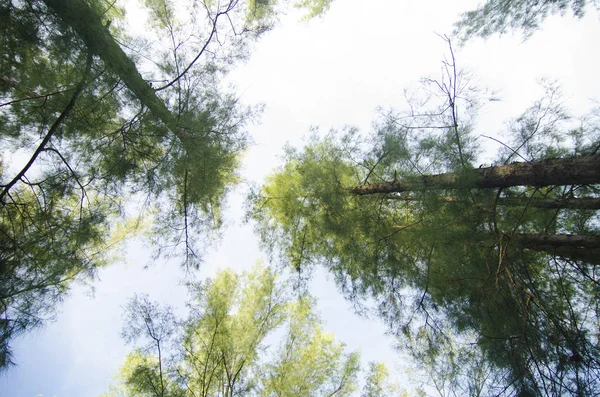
(558, 240)
(568, 246)
(583, 203)
(586, 255)
(88, 25)
(565, 171)
(587, 203)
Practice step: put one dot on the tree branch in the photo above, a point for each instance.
(88, 25)
(52, 129)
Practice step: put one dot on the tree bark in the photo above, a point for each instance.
(88, 25)
(591, 256)
(577, 203)
(564, 171)
(558, 240)
(580, 203)
(568, 246)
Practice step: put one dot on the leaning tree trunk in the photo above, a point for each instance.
(564, 171)
(578, 203)
(88, 25)
(567, 246)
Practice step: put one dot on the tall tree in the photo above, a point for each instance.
(220, 349)
(91, 116)
(406, 218)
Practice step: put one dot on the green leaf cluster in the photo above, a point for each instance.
(499, 16)
(222, 350)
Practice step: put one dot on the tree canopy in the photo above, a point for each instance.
(92, 117)
(500, 16)
(405, 217)
(493, 264)
(221, 348)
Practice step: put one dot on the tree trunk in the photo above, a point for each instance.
(568, 246)
(88, 25)
(580, 203)
(558, 240)
(591, 256)
(565, 171)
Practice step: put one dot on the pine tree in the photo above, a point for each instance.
(84, 130)
(406, 219)
(221, 350)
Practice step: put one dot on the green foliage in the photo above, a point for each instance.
(454, 365)
(85, 131)
(142, 377)
(314, 7)
(220, 349)
(450, 261)
(264, 11)
(41, 254)
(378, 383)
(310, 362)
(499, 16)
(260, 10)
(162, 13)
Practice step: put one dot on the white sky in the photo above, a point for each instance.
(330, 72)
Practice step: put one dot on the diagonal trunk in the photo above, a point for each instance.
(558, 240)
(580, 203)
(567, 246)
(586, 255)
(564, 171)
(88, 25)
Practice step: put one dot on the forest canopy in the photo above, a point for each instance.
(221, 348)
(504, 256)
(92, 117)
(484, 270)
(526, 16)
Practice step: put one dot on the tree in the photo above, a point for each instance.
(378, 383)
(84, 129)
(406, 219)
(220, 350)
(498, 16)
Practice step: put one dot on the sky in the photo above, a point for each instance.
(330, 72)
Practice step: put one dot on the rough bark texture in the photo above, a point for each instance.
(586, 255)
(567, 246)
(88, 25)
(558, 240)
(565, 171)
(582, 203)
